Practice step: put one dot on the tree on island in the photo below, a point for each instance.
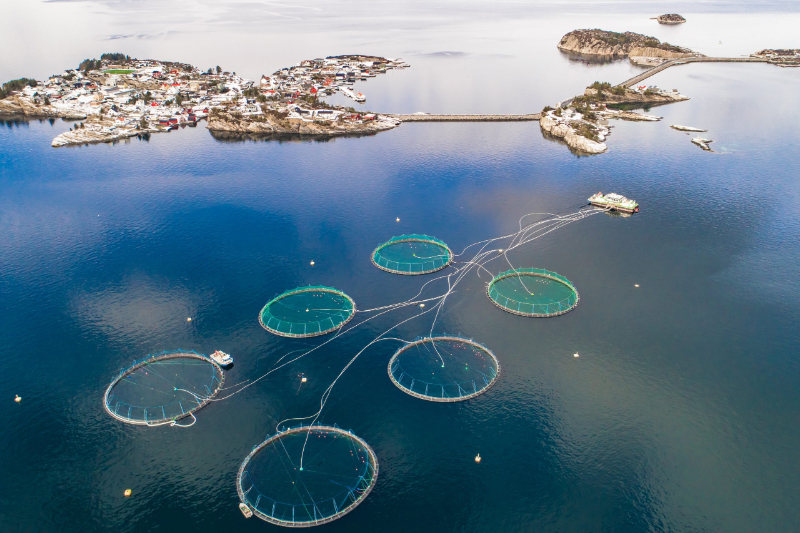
(219, 69)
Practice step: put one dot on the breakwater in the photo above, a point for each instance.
(465, 118)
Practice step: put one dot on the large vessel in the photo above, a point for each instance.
(221, 358)
(615, 202)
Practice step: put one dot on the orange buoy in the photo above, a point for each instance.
(17, 398)
(478, 458)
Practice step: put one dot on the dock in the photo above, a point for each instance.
(464, 118)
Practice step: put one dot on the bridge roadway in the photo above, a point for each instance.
(464, 118)
(535, 116)
(684, 60)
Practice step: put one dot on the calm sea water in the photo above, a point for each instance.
(681, 413)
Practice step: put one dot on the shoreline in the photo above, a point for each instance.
(124, 99)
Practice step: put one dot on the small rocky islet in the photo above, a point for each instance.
(670, 18)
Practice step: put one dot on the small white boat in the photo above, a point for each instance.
(245, 510)
(221, 358)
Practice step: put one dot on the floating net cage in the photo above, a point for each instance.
(307, 312)
(163, 388)
(446, 368)
(307, 476)
(533, 292)
(412, 255)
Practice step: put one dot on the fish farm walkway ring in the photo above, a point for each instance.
(158, 414)
(297, 314)
(532, 308)
(399, 257)
(313, 513)
(451, 391)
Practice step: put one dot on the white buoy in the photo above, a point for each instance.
(422, 305)
(303, 379)
(17, 398)
(189, 319)
(637, 285)
(478, 458)
(312, 263)
(398, 219)
(576, 354)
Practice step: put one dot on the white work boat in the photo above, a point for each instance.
(221, 358)
(245, 510)
(614, 202)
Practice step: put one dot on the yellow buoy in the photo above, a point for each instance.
(312, 263)
(189, 319)
(398, 219)
(303, 380)
(17, 398)
(576, 354)
(478, 458)
(422, 305)
(637, 285)
(127, 493)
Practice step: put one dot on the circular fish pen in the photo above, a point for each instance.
(532, 292)
(412, 255)
(307, 312)
(444, 368)
(307, 476)
(163, 388)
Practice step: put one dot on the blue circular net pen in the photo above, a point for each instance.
(444, 368)
(533, 292)
(163, 388)
(307, 476)
(412, 255)
(307, 312)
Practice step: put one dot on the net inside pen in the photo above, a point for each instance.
(163, 387)
(412, 255)
(444, 368)
(533, 292)
(307, 312)
(307, 476)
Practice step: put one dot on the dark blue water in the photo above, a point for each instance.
(681, 413)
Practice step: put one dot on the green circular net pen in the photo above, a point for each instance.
(163, 388)
(412, 255)
(307, 312)
(445, 368)
(307, 476)
(533, 292)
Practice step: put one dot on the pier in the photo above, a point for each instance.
(464, 118)
(684, 60)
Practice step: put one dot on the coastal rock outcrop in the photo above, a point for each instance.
(275, 123)
(685, 128)
(16, 106)
(621, 95)
(91, 136)
(563, 130)
(612, 44)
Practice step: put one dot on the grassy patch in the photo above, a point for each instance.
(118, 71)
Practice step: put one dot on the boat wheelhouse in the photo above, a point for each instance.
(221, 358)
(615, 202)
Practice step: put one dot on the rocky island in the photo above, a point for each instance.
(582, 121)
(781, 56)
(671, 18)
(615, 45)
(117, 97)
